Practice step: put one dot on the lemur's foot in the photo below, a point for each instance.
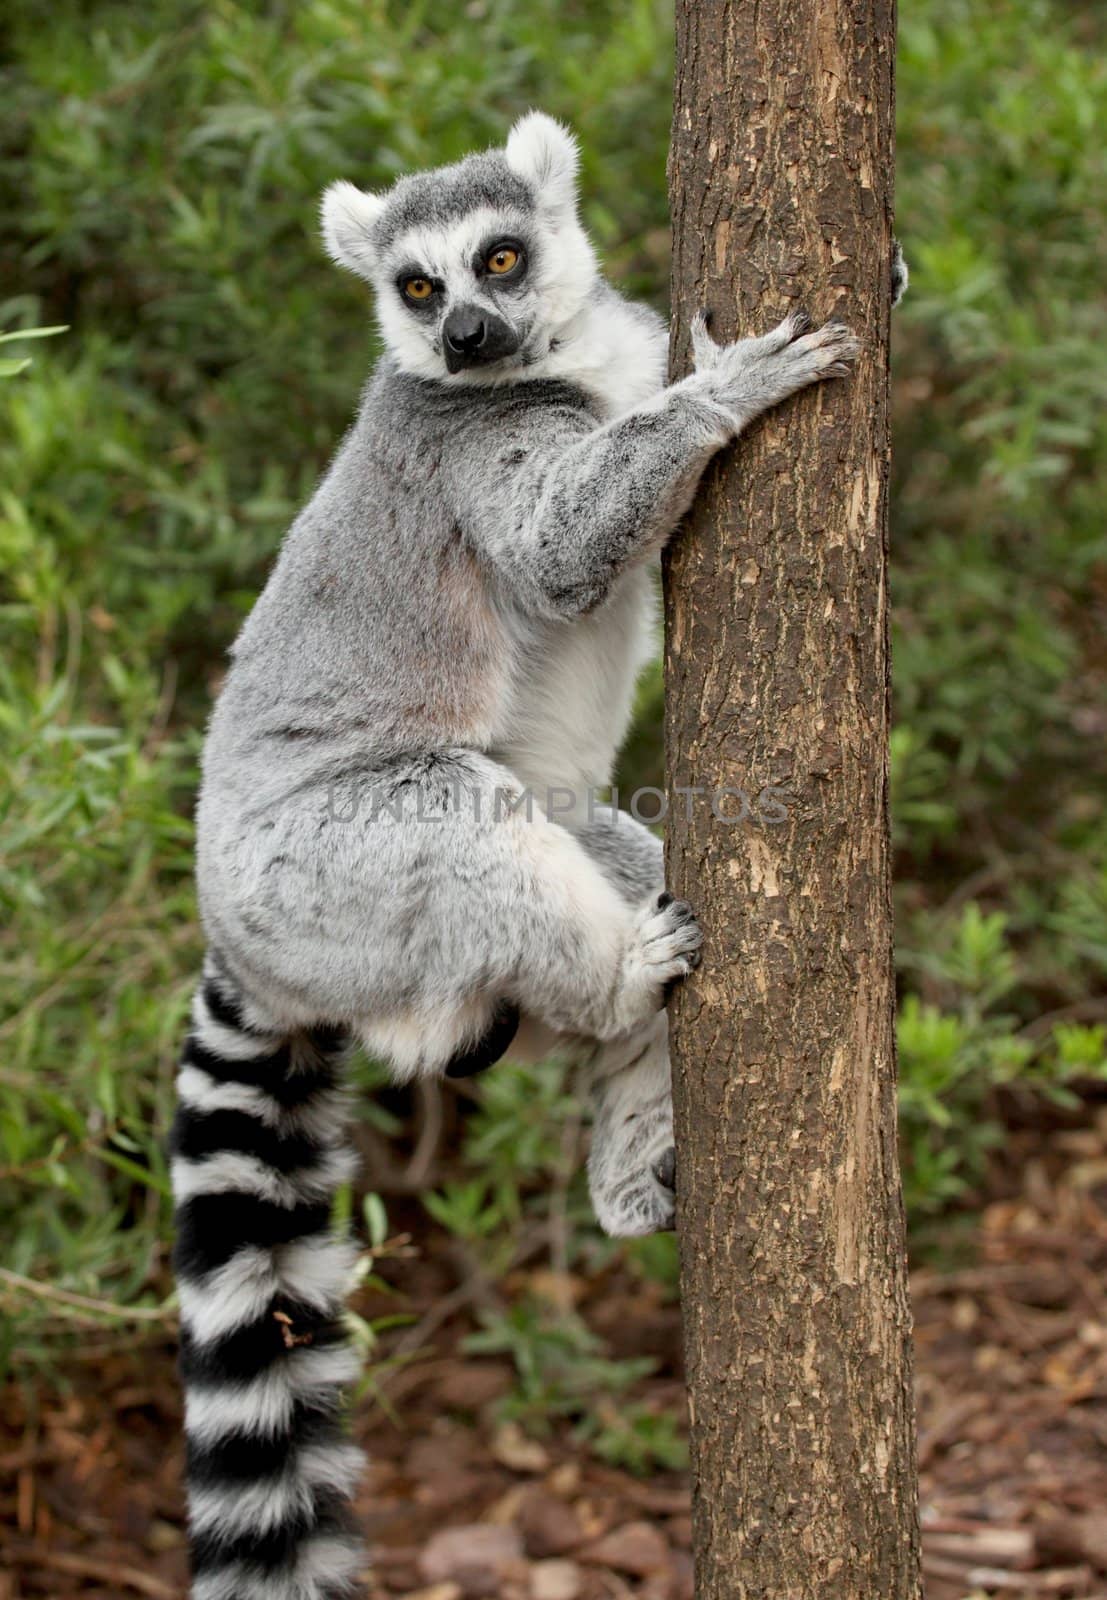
(632, 1172)
(671, 935)
(666, 948)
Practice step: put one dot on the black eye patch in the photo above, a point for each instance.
(502, 259)
(418, 290)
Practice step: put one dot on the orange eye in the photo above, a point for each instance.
(418, 288)
(502, 260)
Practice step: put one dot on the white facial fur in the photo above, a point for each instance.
(561, 267)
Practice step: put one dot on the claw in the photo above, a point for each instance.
(664, 1170)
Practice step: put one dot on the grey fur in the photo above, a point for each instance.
(416, 621)
(435, 199)
(452, 631)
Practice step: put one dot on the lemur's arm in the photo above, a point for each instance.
(572, 513)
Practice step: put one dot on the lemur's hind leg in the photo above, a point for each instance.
(418, 917)
(632, 1166)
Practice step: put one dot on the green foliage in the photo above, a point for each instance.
(365, 1333)
(11, 366)
(522, 1155)
(999, 759)
(635, 1436)
(1001, 431)
(957, 1049)
(160, 169)
(562, 1373)
(559, 1364)
(159, 174)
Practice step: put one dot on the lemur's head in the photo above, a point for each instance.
(477, 266)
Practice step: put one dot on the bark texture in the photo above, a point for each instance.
(792, 1241)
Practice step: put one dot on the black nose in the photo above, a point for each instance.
(473, 336)
(464, 331)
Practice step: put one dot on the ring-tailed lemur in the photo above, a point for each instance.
(457, 617)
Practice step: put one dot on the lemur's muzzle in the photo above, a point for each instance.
(472, 336)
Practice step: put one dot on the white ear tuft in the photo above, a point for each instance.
(545, 153)
(347, 214)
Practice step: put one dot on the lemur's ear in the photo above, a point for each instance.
(545, 153)
(348, 214)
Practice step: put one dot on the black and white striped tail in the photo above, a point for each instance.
(259, 1149)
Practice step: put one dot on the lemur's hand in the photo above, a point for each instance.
(900, 275)
(748, 377)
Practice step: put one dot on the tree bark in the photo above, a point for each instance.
(797, 1326)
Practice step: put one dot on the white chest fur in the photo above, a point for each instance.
(572, 694)
(572, 691)
(614, 350)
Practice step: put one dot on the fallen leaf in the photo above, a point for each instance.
(636, 1547)
(511, 1448)
(565, 1479)
(478, 1557)
(470, 1386)
(549, 1527)
(560, 1289)
(555, 1580)
(506, 1509)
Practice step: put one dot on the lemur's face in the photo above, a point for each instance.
(462, 290)
(477, 267)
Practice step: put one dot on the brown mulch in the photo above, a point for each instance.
(1012, 1385)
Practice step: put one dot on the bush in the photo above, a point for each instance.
(159, 173)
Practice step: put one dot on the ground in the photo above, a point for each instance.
(1012, 1388)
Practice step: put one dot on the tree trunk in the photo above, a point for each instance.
(797, 1325)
